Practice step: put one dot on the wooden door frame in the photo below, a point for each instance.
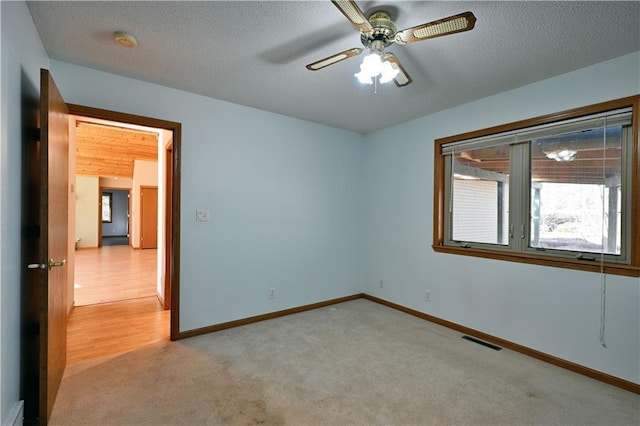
(172, 256)
(168, 187)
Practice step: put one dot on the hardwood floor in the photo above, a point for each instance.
(103, 323)
(108, 329)
(113, 273)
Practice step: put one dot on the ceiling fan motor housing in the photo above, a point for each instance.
(384, 31)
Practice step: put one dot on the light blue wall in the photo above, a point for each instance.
(553, 310)
(22, 52)
(284, 195)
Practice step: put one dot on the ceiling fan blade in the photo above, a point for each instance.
(330, 60)
(353, 13)
(402, 79)
(451, 25)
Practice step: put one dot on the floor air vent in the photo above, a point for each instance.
(480, 342)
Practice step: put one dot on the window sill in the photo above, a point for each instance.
(554, 262)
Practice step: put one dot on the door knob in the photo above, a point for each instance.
(52, 264)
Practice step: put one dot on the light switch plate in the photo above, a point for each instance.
(202, 215)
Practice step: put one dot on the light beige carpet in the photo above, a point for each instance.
(352, 363)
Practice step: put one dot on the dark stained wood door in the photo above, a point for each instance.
(45, 241)
(148, 217)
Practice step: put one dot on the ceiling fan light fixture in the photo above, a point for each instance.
(369, 68)
(388, 72)
(373, 66)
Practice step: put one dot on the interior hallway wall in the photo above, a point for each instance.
(164, 141)
(87, 211)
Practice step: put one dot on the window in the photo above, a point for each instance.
(558, 190)
(107, 206)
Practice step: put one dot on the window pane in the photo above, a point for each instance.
(480, 198)
(576, 191)
(106, 207)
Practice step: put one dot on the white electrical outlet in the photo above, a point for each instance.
(427, 296)
(381, 284)
(202, 215)
(272, 293)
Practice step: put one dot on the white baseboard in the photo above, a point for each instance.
(16, 415)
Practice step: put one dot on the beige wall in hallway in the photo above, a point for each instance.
(87, 188)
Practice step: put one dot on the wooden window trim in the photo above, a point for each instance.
(632, 269)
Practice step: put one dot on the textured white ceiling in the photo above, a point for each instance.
(254, 52)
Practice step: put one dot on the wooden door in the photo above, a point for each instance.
(148, 217)
(45, 245)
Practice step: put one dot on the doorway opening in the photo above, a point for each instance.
(115, 213)
(136, 226)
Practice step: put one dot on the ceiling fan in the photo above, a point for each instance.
(378, 32)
